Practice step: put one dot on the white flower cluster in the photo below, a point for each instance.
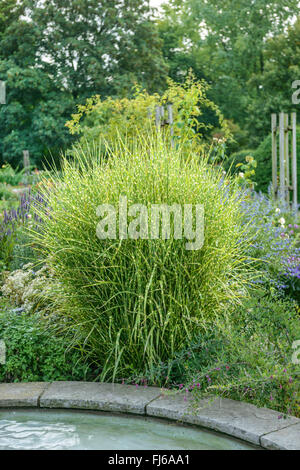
(282, 222)
(26, 288)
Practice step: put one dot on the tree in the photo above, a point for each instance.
(56, 53)
(98, 122)
(180, 52)
(102, 47)
(282, 59)
(239, 28)
(33, 117)
(10, 10)
(227, 40)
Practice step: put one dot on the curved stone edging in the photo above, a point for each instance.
(259, 426)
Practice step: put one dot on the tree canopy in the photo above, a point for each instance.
(55, 54)
(231, 43)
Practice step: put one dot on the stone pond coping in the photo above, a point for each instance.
(259, 426)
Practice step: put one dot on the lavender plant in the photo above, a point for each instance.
(275, 235)
(13, 221)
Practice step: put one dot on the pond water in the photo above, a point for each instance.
(55, 429)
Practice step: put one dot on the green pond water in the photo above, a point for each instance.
(39, 429)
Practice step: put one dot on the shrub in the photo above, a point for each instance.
(136, 302)
(237, 158)
(10, 176)
(29, 288)
(193, 114)
(37, 353)
(5, 192)
(274, 242)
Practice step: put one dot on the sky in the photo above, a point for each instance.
(156, 3)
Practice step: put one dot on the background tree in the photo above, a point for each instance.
(36, 109)
(103, 47)
(282, 67)
(55, 54)
(226, 40)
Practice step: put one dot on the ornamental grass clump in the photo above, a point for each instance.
(134, 302)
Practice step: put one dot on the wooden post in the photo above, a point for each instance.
(274, 153)
(170, 120)
(26, 161)
(26, 164)
(157, 117)
(162, 116)
(294, 161)
(281, 158)
(287, 157)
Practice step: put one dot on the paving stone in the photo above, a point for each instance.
(259, 426)
(241, 420)
(98, 396)
(21, 394)
(285, 439)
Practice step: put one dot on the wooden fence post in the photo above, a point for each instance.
(274, 154)
(170, 121)
(281, 158)
(287, 158)
(26, 164)
(294, 161)
(162, 115)
(161, 121)
(157, 117)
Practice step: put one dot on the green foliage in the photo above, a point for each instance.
(34, 352)
(10, 176)
(247, 358)
(243, 49)
(36, 109)
(135, 302)
(103, 120)
(10, 11)
(179, 54)
(263, 156)
(62, 53)
(5, 193)
(65, 52)
(237, 158)
(243, 166)
(246, 174)
(281, 68)
(99, 47)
